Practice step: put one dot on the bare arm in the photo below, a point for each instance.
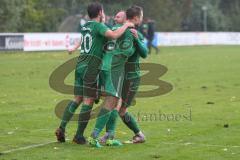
(117, 33)
(77, 45)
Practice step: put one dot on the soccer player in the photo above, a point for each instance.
(120, 17)
(148, 31)
(117, 54)
(94, 34)
(130, 87)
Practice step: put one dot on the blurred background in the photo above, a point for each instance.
(168, 15)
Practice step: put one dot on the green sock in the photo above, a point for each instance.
(68, 113)
(83, 119)
(102, 120)
(112, 122)
(131, 123)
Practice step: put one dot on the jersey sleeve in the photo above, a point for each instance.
(129, 39)
(140, 46)
(140, 36)
(102, 29)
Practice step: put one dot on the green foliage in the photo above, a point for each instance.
(169, 15)
(166, 13)
(231, 8)
(216, 20)
(9, 15)
(41, 16)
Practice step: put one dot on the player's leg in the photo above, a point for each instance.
(90, 79)
(112, 123)
(84, 117)
(104, 114)
(113, 88)
(71, 107)
(67, 115)
(129, 91)
(156, 48)
(129, 120)
(149, 45)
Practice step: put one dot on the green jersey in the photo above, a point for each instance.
(93, 39)
(132, 68)
(118, 51)
(90, 60)
(132, 72)
(116, 55)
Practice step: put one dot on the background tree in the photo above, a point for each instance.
(231, 10)
(9, 15)
(169, 15)
(216, 20)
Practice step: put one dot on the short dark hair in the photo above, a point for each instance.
(133, 11)
(94, 9)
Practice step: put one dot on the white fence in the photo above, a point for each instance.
(64, 41)
(50, 41)
(198, 38)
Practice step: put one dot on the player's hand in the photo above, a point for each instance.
(134, 32)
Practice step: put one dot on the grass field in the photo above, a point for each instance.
(206, 82)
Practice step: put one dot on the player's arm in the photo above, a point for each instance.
(77, 45)
(118, 32)
(129, 41)
(140, 46)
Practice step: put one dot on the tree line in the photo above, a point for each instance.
(169, 15)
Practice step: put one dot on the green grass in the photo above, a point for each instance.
(198, 74)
